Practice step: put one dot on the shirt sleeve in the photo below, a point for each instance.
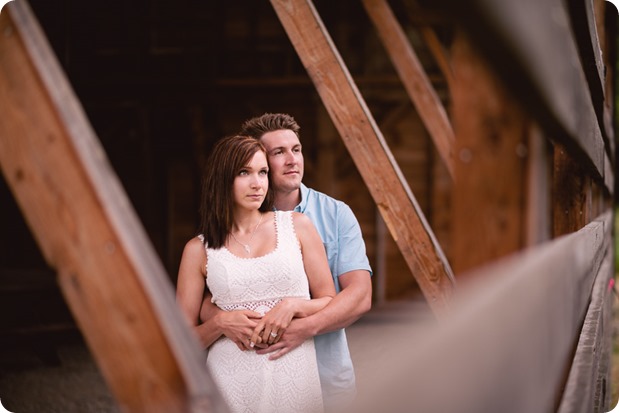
(351, 247)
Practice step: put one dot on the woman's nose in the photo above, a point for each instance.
(257, 181)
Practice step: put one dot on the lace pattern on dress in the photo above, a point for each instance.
(250, 382)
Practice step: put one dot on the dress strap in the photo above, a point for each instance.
(285, 229)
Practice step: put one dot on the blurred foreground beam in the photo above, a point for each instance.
(87, 230)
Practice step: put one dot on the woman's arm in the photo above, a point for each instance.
(190, 286)
(321, 285)
(191, 281)
(237, 325)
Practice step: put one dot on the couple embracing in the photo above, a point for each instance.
(284, 269)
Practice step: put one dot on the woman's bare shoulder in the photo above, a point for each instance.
(300, 220)
(194, 247)
(194, 253)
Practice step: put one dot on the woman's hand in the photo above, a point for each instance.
(274, 323)
(238, 325)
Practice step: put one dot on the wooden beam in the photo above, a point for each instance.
(369, 151)
(569, 192)
(511, 339)
(585, 24)
(429, 35)
(537, 59)
(538, 208)
(588, 383)
(413, 76)
(87, 230)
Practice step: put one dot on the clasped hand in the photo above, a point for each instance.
(251, 331)
(273, 324)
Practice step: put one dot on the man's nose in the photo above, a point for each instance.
(290, 158)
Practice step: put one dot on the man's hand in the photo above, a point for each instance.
(296, 333)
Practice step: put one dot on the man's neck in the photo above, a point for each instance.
(287, 201)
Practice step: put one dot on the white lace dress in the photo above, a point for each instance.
(248, 381)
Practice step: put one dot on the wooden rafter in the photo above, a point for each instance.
(414, 78)
(87, 230)
(369, 151)
(432, 41)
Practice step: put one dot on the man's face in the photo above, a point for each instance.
(285, 159)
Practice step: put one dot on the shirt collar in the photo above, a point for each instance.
(303, 204)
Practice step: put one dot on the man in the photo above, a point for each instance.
(341, 236)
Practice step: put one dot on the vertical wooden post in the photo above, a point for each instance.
(491, 149)
(539, 188)
(570, 193)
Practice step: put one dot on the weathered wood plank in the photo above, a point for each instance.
(87, 230)
(569, 192)
(489, 198)
(531, 46)
(608, 35)
(416, 83)
(585, 390)
(368, 149)
(538, 193)
(510, 340)
(589, 48)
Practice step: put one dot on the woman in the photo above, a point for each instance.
(255, 259)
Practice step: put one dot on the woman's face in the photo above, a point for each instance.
(251, 184)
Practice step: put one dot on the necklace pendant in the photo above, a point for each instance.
(247, 248)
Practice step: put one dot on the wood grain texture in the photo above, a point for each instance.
(87, 230)
(531, 46)
(368, 149)
(511, 340)
(414, 78)
(588, 384)
(489, 198)
(571, 195)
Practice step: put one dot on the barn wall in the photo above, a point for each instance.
(161, 83)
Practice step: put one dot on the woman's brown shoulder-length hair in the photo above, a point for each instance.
(224, 163)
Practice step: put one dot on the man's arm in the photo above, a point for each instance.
(354, 300)
(238, 325)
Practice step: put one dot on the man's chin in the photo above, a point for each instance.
(290, 185)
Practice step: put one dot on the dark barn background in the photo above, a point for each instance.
(161, 81)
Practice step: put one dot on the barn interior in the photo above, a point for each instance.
(161, 81)
(528, 135)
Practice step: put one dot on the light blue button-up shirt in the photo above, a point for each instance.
(341, 235)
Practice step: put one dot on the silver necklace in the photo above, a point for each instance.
(246, 246)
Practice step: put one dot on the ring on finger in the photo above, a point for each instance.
(273, 334)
